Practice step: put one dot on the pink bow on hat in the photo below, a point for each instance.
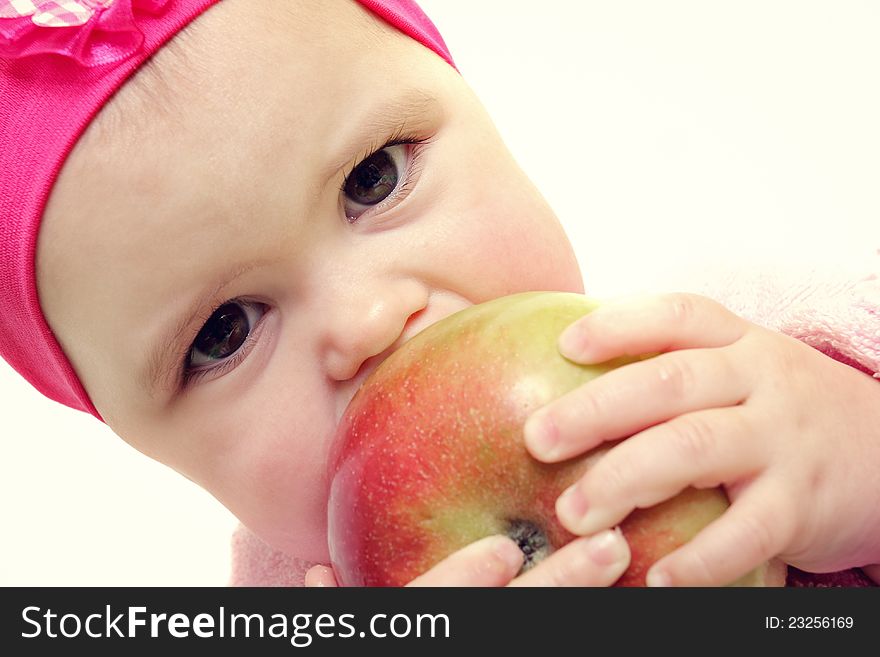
(92, 32)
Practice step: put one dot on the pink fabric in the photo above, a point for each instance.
(46, 103)
(408, 17)
(835, 311)
(256, 564)
(107, 31)
(53, 81)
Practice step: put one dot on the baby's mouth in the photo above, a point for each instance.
(415, 324)
(352, 385)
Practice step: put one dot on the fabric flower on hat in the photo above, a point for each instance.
(91, 32)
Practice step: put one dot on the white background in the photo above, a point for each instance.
(667, 136)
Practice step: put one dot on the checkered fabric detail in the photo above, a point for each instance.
(49, 13)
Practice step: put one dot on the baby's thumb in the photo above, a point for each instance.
(320, 576)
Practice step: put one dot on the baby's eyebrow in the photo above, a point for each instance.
(161, 371)
(412, 109)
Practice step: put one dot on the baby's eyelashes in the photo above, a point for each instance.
(224, 340)
(374, 179)
(383, 178)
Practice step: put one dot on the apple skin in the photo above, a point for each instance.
(429, 456)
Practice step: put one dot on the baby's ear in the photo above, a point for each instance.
(320, 576)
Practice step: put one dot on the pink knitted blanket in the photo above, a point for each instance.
(836, 311)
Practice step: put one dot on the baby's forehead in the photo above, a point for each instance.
(198, 67)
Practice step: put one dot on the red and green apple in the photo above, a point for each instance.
(430, 456)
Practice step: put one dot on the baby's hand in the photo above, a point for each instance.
(792, 435)
(495, 561)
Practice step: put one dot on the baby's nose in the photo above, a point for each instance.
(366, 325)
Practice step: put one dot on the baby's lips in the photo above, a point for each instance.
(415, 324)
(349, 388)
(444, 305)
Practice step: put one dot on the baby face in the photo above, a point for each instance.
(239, 240)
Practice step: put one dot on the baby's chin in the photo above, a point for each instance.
(298, 529)
(309, 545)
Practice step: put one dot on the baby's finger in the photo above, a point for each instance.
(320, 576)
(492, 561)
(644, 325)
(753, 530)
(702, 449)
(873, 571)
(588, 561)
(626, 400)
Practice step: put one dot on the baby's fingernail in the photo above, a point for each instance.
(316, 576)
(607, 548)
(572, 343)
(658, 578)
(508, 554)
(541, 435)
(571, 507)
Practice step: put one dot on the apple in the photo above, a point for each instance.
(429, 455)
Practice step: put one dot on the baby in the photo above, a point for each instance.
(214, 253)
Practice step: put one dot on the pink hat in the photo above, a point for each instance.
(60, 61)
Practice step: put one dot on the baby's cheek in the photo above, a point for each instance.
(268, 469)
(523, 247)
(286, 497)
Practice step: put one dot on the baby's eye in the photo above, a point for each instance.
(375, 179)
(224, 335)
